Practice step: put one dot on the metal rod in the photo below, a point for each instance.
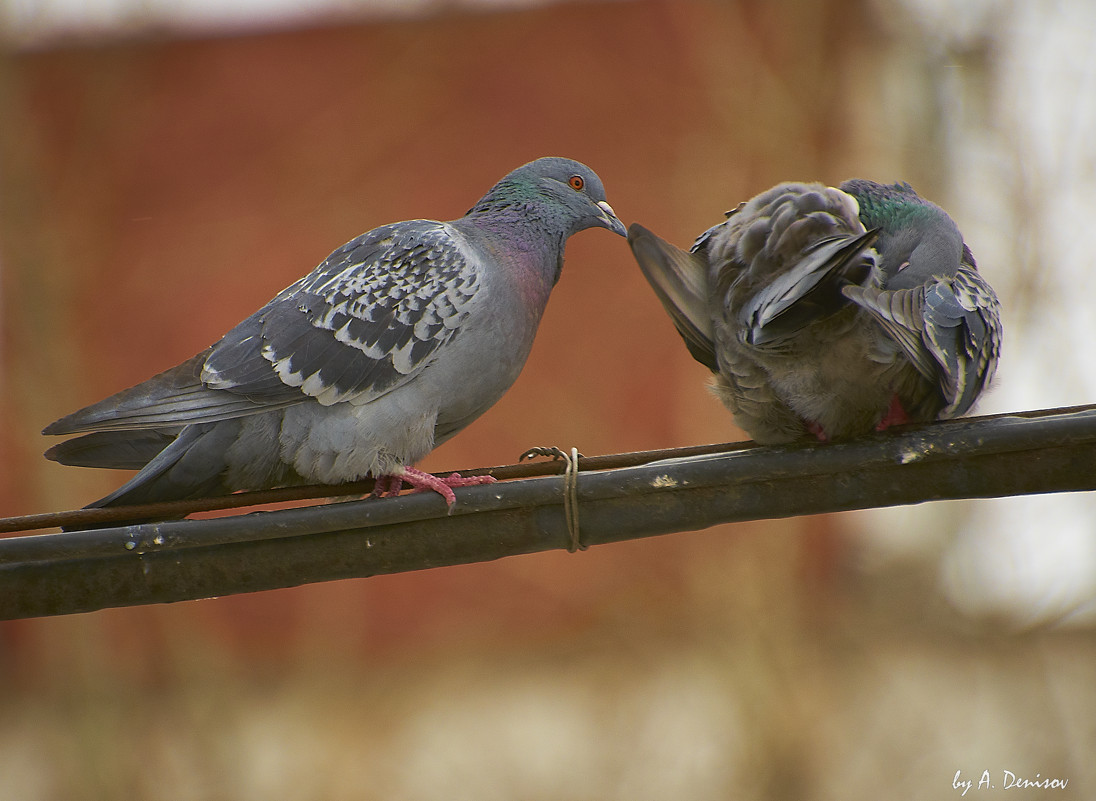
(1037, 452)
(118, 515)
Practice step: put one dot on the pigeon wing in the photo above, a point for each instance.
(809, 290)
(367, 320)
(949, 329)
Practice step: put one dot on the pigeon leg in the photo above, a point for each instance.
(423, 482)
(386, 486)
(896, 415)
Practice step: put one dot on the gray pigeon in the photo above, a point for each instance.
(397, 341)
(831, 312)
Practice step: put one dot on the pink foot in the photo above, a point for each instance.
(423, 482)
(895, 415)
(386, 487)
(818, 431)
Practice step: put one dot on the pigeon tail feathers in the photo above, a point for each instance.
(680, 281)
(118, 450)
(190, 467)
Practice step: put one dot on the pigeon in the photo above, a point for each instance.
(831, 312)
(393, 344)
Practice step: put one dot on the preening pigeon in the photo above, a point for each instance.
(831, 312)
(397, 341)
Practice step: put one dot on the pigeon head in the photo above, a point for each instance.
(917, 239)
(565, 196)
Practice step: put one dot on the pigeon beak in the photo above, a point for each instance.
(610, 220)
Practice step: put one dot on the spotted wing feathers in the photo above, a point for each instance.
(372, 315)
(949, 328)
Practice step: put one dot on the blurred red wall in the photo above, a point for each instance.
(158, 191)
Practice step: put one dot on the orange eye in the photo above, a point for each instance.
(576, 182)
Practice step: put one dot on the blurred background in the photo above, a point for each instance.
(166, 166)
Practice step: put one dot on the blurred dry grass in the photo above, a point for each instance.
(158, 191)
(716, 683)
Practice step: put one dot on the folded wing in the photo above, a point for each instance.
(368, 319)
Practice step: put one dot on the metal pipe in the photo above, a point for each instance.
(1036, 452)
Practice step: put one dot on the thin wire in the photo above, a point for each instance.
(570, 488)
(570, 500)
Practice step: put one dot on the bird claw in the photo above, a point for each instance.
(386, 487)
(427, 482)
